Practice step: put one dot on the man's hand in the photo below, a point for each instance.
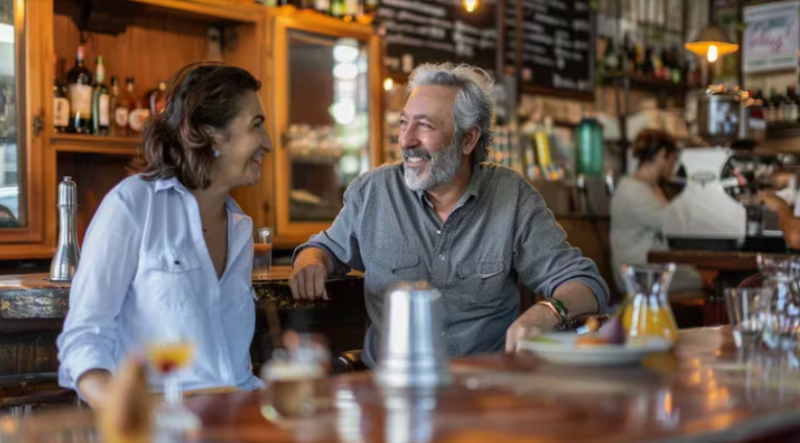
(311, 269)
(534, 321)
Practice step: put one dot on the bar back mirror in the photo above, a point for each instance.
(328, 131)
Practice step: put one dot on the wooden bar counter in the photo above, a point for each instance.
(725, 269)
(704, 392)
(32, 312)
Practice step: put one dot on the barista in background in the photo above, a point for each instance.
(639, 208)
(789, 221)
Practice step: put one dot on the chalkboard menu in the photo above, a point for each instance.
(557, 44)
(434, 31)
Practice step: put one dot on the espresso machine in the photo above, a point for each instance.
(717, 209)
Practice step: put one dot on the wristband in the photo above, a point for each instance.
(558, 309)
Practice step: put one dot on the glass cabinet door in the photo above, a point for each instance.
(328, 129)
(12, 207)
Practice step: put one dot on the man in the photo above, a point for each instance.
(470, 229)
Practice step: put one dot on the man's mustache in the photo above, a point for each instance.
(416, 152)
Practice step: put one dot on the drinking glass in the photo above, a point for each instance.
(262, 254)
(170, 351)
(296, 378)
(781, 318)
(746, 309)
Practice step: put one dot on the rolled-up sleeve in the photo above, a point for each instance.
(108, 264)
(543, 258)
(341, 239)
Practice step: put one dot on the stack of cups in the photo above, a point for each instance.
(412, 350)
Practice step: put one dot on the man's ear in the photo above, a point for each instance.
(470, 140)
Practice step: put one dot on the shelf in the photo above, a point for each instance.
(95, 144)
(782, 131)
(646, 84)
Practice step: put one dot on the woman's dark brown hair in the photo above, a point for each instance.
(176, 142)
(650, 142)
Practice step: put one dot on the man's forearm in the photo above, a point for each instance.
(578, 298)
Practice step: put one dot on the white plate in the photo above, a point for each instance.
(563, 351)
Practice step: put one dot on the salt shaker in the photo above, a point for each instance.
(68, 254)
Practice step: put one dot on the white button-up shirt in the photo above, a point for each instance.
(145, 265)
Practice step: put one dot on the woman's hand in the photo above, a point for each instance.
(773, 202)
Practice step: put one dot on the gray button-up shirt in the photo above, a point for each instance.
(501, 232)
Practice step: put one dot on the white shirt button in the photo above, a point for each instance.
(438, 231)
(441, 257)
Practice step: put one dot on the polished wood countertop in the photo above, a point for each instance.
(34, 296)
(709, 260)
(704, 392)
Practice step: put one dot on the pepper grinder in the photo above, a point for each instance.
(63, 266)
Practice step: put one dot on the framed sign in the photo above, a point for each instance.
(771, 37)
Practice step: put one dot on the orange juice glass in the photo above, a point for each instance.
(647, 313)
(262, 253)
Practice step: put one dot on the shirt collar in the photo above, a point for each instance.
(472, 188)
(173, 183)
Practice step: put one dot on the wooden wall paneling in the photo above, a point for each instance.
(244, 46)
(152, 49)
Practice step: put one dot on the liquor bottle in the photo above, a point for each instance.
(623, 55)
(677, 66)
(79, 84)
(337, 8)
(611, 59)
(139, 111)
(666, 65)
(100, 101)
(60, 100)
(158, 98)
(124, 104)
(366, 12)
(112, 105)
(350, 10)
(790, 105)
(323, 6)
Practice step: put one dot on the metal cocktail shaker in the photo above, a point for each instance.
(412, 349)
(64, 263)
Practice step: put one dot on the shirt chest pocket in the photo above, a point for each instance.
(482, 281)
(395, 266)
(174, 278)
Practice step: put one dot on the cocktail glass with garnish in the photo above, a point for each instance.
(169, 353)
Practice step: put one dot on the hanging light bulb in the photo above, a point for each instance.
(712, 39)
(713, 53)
(471, 5)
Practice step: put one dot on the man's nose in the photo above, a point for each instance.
(408, 139)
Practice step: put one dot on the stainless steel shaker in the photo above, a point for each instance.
(412, 348)
(68, 254)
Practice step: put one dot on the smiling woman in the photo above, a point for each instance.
(168, 246)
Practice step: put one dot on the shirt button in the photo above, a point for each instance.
(441, 257)
(438, 231)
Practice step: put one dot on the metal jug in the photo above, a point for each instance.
(68, 253)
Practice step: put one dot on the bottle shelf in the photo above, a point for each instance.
(96, 144)
(646, 83)
(782, 131)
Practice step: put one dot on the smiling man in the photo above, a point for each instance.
(473, 230)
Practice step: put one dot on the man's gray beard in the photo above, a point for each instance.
(442, 167)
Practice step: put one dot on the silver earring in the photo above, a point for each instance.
(216, 153)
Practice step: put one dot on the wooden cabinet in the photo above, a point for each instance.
(325, 105)
(145, 39)
(321, 90)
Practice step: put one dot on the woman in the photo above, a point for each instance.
(168, 247)
(639, 208)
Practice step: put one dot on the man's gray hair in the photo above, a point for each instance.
(474, 105)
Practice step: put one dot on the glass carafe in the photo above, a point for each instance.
(647, 315)
(782, 313)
